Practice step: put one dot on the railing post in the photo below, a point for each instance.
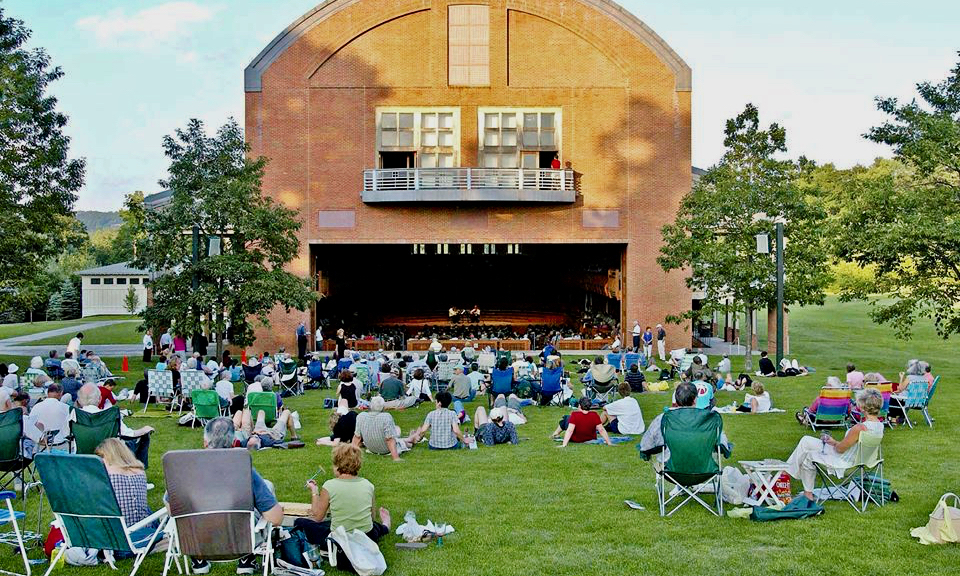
(520, 177)
(416, 178)
(469, 179)
(374, 180)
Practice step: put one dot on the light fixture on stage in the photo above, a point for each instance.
(466, 248)
(419, 248)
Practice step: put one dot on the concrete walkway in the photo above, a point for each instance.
(15, 346)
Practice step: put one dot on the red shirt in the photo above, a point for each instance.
(585, 426)
(105, 396)
(555, 164)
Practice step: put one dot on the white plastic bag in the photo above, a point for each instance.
(363, 553)
(735, 484)
(76, 556)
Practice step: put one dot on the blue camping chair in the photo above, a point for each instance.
(631, 358)
(251, 372)
(315, 373)
(615, 359)
(552, 385)
(501, 382)
(11, 516)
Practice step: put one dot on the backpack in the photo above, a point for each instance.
(798, 508)
(295, 549)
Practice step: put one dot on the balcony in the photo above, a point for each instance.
(468, 185)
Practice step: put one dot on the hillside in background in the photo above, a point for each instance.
(94, 220)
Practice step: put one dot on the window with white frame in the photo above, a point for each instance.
(418, 137)
(468, 43)
(512, 138)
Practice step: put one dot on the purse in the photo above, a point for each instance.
(944, 523)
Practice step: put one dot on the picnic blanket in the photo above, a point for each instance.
(614, 439)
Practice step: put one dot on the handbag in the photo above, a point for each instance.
(362, 552)
(944, 523)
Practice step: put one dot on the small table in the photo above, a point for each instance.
(765, 474)
(292, 511)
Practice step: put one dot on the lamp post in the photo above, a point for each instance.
(763, 247)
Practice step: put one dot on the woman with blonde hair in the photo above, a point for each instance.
(758, 401)
(129, 481)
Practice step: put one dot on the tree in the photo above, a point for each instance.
(905, 224)
(69, 300)
(713, 234)
(38, 181)
(216, 187)
(131, 301)
(133, 229)
(55, 307)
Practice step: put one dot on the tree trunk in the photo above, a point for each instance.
(748, 357)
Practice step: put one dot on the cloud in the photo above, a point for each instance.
(160, 26)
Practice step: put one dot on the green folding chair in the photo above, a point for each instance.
(16, 467)
(93, 520)
(692, 437)
(206, 405)
(265, 401)
(89, 430)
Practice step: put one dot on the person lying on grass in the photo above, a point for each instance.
(497, 429)
(256, 435)
(343, 425)
(444, 425)
(582, 425)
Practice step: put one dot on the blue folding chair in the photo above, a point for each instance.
(11, 516)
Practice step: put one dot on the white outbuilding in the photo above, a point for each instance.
(104, 289)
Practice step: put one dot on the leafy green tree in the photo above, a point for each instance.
(905, 223)
(133, 229)
(131, 301)
(38, 181)
(713, 235)
(216, 187)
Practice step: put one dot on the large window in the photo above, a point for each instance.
(468, 42)
(418, 138)
(511, 138)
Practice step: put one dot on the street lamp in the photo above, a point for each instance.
(763, 247)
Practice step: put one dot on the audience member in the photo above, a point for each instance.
(757, 402)
(766, 365)
(443, 424)
(129, 481)
(623, 416)
(497, 429)
(88, 400)
(685, 398)
(582, 425)
(343, 426)
(255, 435)
(377, 431)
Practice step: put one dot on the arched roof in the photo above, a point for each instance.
(253, 73)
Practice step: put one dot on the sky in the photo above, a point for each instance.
(135, 70)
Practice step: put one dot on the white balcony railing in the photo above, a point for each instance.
(465, 179)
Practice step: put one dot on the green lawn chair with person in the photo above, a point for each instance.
(693, 438)
(861, 483)
(265, 402)
(206, 406)
(93, 520)
(88, 430)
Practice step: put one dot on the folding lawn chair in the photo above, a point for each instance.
(551, 380)
(289, 380)
(615, 359)
(251, 372)
(631, 358)
(14, 465)
(316, 373)
(913, 398)
(926, 406)
(501, 382)
(444, 374)
(263, 401)
(16, 537)
(486, 361)
(91, 374)
(864, 475)
(206, 406)
(27, 380)
(215, 525)
(159, 385)
(190, 380)
(93, 520)
(88, 430)
(833, 407)
(886, 392)
(692, 437)
(363, 376)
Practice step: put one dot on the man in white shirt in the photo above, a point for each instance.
(147, 347)
(637, 331)
(52, 415)
(74, 345)
(166, 339)
(318, 338)
(88, 399)
(623, 416)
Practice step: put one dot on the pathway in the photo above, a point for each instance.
(16, 346)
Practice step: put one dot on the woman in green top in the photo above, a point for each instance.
(348, 499)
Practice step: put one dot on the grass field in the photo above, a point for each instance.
(26, 328)
(537, 509)
(125, 333)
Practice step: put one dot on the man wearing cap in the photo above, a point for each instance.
(498, 429)
(377, 431)
(10, 379)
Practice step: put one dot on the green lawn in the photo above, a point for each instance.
(537, 509)
(25, 328)
(125, 333)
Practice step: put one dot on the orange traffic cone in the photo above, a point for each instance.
(243, 356)
(126, 365)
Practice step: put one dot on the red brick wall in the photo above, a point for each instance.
(626, 129)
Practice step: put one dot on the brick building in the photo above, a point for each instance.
(418, 139)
